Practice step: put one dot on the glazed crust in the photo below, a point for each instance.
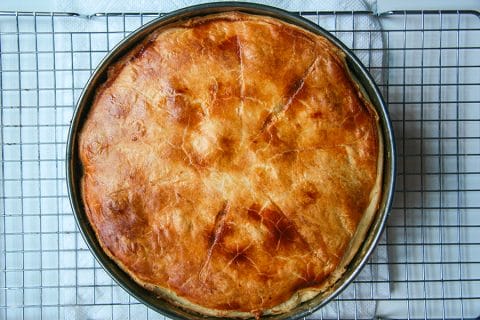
(227, 162)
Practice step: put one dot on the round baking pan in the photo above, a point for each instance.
(74, 167)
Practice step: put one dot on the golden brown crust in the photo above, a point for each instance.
(228, 161)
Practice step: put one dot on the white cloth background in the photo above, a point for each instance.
(364, 288)
(94, 6)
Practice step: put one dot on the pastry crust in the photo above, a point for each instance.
(231, 164)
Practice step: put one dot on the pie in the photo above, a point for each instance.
(232, 164)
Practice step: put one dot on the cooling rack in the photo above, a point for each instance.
(427, 64)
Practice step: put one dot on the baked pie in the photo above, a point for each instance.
(232, 164)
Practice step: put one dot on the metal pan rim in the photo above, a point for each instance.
(73, 166)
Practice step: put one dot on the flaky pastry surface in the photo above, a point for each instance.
(227, 162)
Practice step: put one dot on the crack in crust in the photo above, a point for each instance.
(294, 90)
(218, 229)
(240, 108)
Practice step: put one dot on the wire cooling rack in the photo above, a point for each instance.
(429, 72)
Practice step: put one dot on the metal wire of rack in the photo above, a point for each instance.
(431, 82)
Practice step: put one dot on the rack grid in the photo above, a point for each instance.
(427, 64)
